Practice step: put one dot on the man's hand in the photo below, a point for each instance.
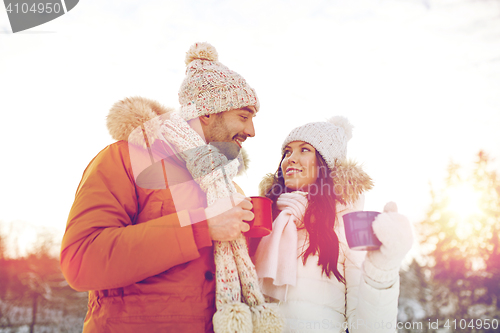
(225, 222)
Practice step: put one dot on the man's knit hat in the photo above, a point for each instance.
(210, 87)
(328, 138)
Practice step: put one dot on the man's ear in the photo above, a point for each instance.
(205, 120)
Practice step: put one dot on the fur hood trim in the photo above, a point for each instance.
(126, 117)
(130, 113)
(349, 180)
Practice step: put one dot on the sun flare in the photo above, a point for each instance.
(463, 202)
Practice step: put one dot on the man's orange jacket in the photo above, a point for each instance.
(124, 242)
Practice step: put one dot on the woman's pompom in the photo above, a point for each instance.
(343, 123)
(203, 51)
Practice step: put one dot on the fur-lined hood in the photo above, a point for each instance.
(126, 117)
(349, 179)
(130, 113)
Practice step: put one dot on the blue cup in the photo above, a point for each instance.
(359, 231)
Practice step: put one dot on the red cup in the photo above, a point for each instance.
(262, 224)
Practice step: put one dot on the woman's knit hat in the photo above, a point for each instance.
(210, 87)
(328, 138)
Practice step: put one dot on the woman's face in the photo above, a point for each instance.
(299, 166)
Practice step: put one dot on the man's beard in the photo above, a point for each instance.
(220, 137)
(219, 131)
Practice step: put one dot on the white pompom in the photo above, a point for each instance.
(343, 123)
(233, 317)
(266, 318)
(203, 51)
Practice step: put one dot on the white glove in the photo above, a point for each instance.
(395, 233)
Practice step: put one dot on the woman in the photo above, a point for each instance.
(305, 263)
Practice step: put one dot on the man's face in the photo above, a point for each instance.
(231, 126)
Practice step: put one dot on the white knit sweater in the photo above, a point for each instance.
(321, 304)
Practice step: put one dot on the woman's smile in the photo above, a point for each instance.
(299, 165)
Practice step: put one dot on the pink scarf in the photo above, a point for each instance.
(276, 256)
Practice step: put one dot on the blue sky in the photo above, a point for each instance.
(419, 80)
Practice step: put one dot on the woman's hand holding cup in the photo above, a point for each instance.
(395, 233)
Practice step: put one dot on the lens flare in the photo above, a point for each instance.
(463, 203)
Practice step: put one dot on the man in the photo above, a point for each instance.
(139, 234)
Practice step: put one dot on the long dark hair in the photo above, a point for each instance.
(319, 218)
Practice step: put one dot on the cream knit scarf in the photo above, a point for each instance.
(235, 272)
